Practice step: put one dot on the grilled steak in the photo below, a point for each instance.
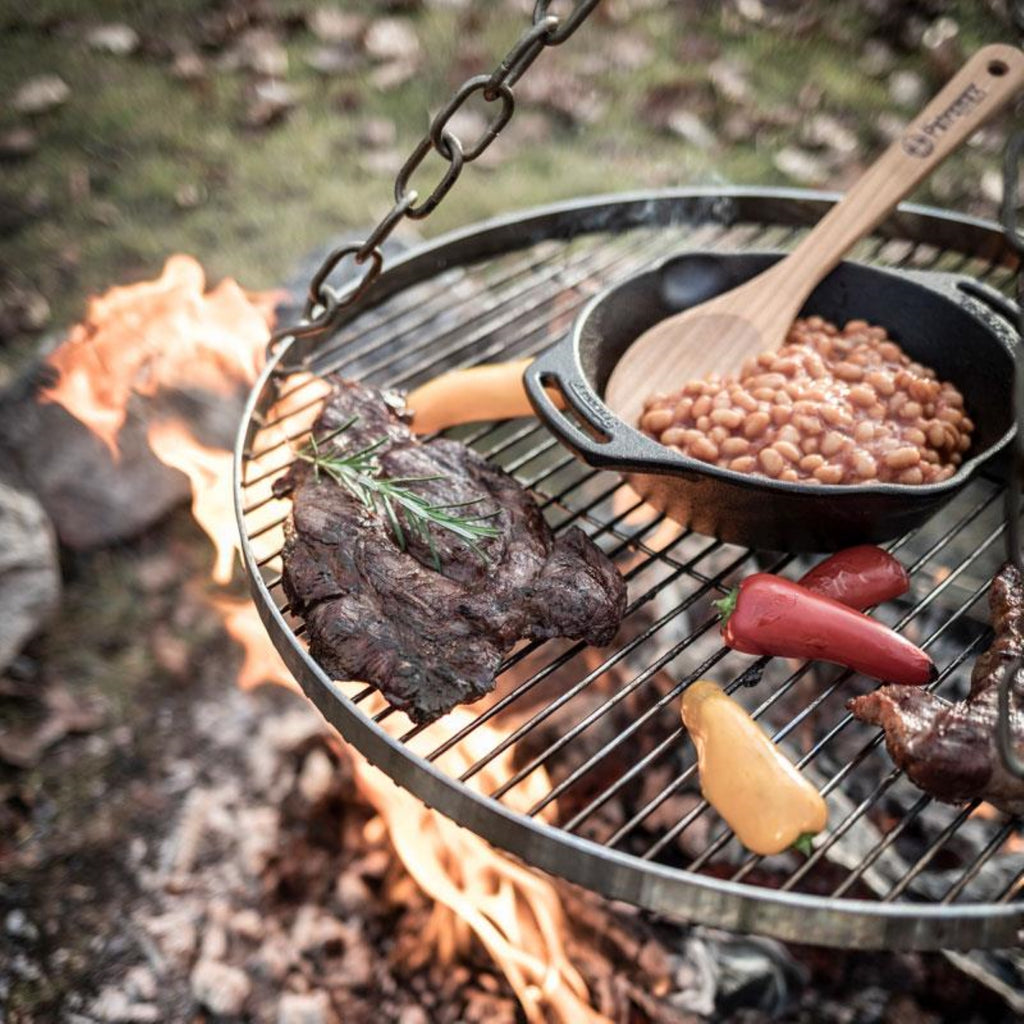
(431, 634)
(949, 749)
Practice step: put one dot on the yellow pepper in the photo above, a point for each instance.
(745, 777)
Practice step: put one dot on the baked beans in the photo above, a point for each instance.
(831, 406)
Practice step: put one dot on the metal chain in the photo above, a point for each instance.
(324, 305)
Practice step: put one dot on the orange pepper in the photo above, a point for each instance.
(745, 777)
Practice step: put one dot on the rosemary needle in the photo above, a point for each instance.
(361, 474)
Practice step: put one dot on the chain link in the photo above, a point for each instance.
(324, 305)
(568, 25)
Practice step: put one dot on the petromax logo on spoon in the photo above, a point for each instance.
(921, 141)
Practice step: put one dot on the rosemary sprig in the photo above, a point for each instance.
(407, 512)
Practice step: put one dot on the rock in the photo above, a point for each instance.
(991, 186)
(29, 569)
(304, 1008)
(941, 42)
(247, 924)
(394, 73)
(391, 39)
(18, 143)
(189, 195)
(275, 958)
(353, 893)
(141, 983)
(219, 987)
(907, 89)
(175, 934)
(115, 38)
(413, 1015)
(828, 132)
(315, 929)
(116, 1007)
(18, 926)
(41, 94)
(91, 498)
(377, 133)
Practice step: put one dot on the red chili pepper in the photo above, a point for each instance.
(858, 577)
(770, 615)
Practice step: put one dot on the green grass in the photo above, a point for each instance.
(138, 138)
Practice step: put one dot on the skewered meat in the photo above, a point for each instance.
(949, 749)
(425, 616)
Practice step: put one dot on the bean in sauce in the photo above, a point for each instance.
(831, 406)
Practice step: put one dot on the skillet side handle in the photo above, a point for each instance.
(583, 426)
(994, 300)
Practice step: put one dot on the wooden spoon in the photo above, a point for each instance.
(718, 335)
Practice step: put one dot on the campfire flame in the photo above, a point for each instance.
(170, 333)
(209, 472)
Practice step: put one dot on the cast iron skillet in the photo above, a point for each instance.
(951, 323)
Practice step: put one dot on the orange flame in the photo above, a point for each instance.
(159, 334)
(262, 663)
(209, 472)
(516, 914)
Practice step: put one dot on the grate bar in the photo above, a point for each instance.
(925, 859)
(599, 723)
(983, 857)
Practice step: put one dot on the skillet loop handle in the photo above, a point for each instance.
(555, 369)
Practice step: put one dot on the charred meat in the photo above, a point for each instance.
(423, 613)
(949, 749)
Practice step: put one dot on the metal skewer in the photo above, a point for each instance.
(1011, 175)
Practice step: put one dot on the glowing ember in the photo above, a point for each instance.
(159, 334)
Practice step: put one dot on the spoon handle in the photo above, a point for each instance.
(975, 93)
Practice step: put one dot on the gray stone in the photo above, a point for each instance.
(92, 498)
(29, 573)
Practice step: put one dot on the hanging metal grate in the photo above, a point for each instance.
(602, 786)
